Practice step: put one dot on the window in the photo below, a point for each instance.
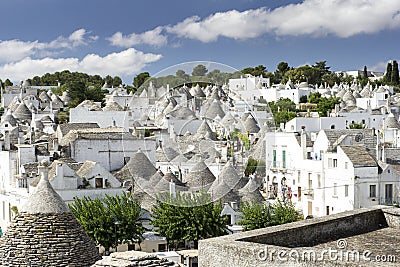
(389, 193)
(346, 190)
(284, 158)
(333, 126)
(274, 158)
(346, 165)
(372, 190)
(99, 182)
(299, 193)
(319, 180)
(294, 181)
(309, 181)
(335, 189)
(332, 163)
(298, 176)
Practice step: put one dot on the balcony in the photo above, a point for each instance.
(279, 166)
(22, 182)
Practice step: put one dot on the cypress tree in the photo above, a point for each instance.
(365, 74)
(388, 75)
(395, 73)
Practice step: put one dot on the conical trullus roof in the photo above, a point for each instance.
(22, 112)
(251, 125)
(205, 132)
(200, 177)
(139, 166)
(391, 122)
(214, 109)
(250, 192)
(46, 233)
(44, 200)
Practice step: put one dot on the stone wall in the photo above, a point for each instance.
(254, 248)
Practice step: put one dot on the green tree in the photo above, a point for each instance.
(181, 74)
(388, 75)
(98, 218)
(326, 105)
(199, 70)
(314, 98)
(76, 91)
(117, 81)
(303, 99)
(251, 166)
(356, 125)
(322, 67)
(188, 218)
(365, 72)
(283, 110)
(140, 79)
(303, 73)
(109, 80)
(258, 215)
(7, 83)
(395, 73)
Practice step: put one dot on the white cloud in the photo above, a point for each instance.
(15, 50)
(380, 66)
(153, 37)
(127, 62)
(342, 18)
(231, 24)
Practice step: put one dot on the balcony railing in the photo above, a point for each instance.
(22, 182)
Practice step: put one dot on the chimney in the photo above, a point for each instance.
(44, 170)
(59, 170)
(172, 190)
(383, 154)
(7, 141)
(303, 142)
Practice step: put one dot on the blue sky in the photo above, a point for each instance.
(126, 37)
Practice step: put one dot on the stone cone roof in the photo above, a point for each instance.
(44, 97)
(163, 184)
(166, 154)
(138, 166)
(179, 159)
(250, 192)
(214, 109)
(197, 92)
(10, 118)
(46, 233)
(214, 94)
(182, 113)
(251, 125)
(228, 120)
(244, 116)
(112, 106)
(225, 186)
(200, 177)
(391, 122)
(22, 112)
(205, 132)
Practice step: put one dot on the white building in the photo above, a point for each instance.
(111, 147)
